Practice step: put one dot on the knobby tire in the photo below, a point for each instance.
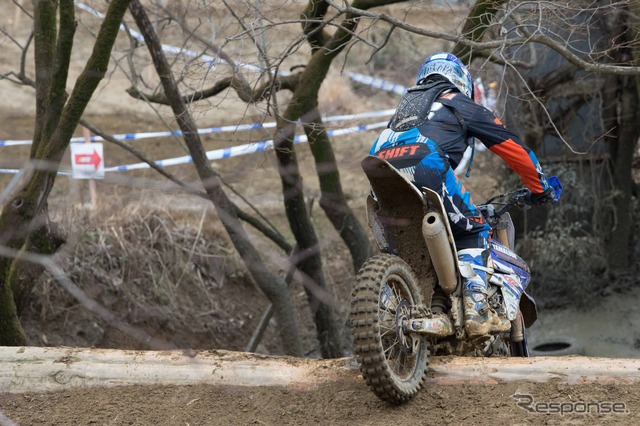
(392, 366)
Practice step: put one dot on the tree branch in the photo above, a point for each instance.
(240, 85)
(558, 46)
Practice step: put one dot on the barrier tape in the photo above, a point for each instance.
(245, 149)
(232, 128)
(16, 171)
(378, 83)
(228, 152)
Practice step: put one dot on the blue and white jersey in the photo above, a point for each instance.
(445, 129)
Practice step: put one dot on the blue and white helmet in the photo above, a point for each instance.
(450, 67)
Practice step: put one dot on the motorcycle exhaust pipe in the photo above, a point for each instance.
(435, 235)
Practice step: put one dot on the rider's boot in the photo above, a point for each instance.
(479, 318)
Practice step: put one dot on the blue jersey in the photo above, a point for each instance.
(403, 150)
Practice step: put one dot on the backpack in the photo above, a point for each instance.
(415, 106)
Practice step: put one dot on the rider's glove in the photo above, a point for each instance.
(542, 198)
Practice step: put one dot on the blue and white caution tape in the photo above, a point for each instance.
(9, 142)
(235, 151)
(233, 128)
(16, 171)
(378, 83)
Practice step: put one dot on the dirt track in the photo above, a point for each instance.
(332, 392)
(346, 402)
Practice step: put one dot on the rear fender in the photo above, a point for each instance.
(395, 214)
(395, 195)
(395, 210)
(395, 218)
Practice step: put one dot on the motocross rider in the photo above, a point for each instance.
(436, 120)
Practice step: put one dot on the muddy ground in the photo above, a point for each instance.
(329, 392)
(346, 402)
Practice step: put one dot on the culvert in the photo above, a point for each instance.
(557, 347)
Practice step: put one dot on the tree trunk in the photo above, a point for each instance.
(622, 232)
(305, 101)
(624, 115)
(308, 260)
(11, 332)
(24, 222)
(274, 288)
(333, 201)
(476, 25)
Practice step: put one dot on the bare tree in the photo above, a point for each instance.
(624, 92)
(25, 222)
(275, 288)
(303, 106)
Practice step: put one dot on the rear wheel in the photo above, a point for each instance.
(392, 362)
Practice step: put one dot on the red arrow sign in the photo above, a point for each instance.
(82, 159)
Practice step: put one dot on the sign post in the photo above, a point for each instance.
(87, 162)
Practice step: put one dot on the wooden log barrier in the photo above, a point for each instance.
(36, 369)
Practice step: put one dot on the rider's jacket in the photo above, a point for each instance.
(446, 128)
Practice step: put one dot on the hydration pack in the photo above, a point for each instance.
(415, 106)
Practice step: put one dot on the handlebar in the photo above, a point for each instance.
(519, 197)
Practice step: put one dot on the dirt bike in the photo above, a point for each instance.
(407, 301)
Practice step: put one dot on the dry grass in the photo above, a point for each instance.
(157, 272)
(164, 264)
